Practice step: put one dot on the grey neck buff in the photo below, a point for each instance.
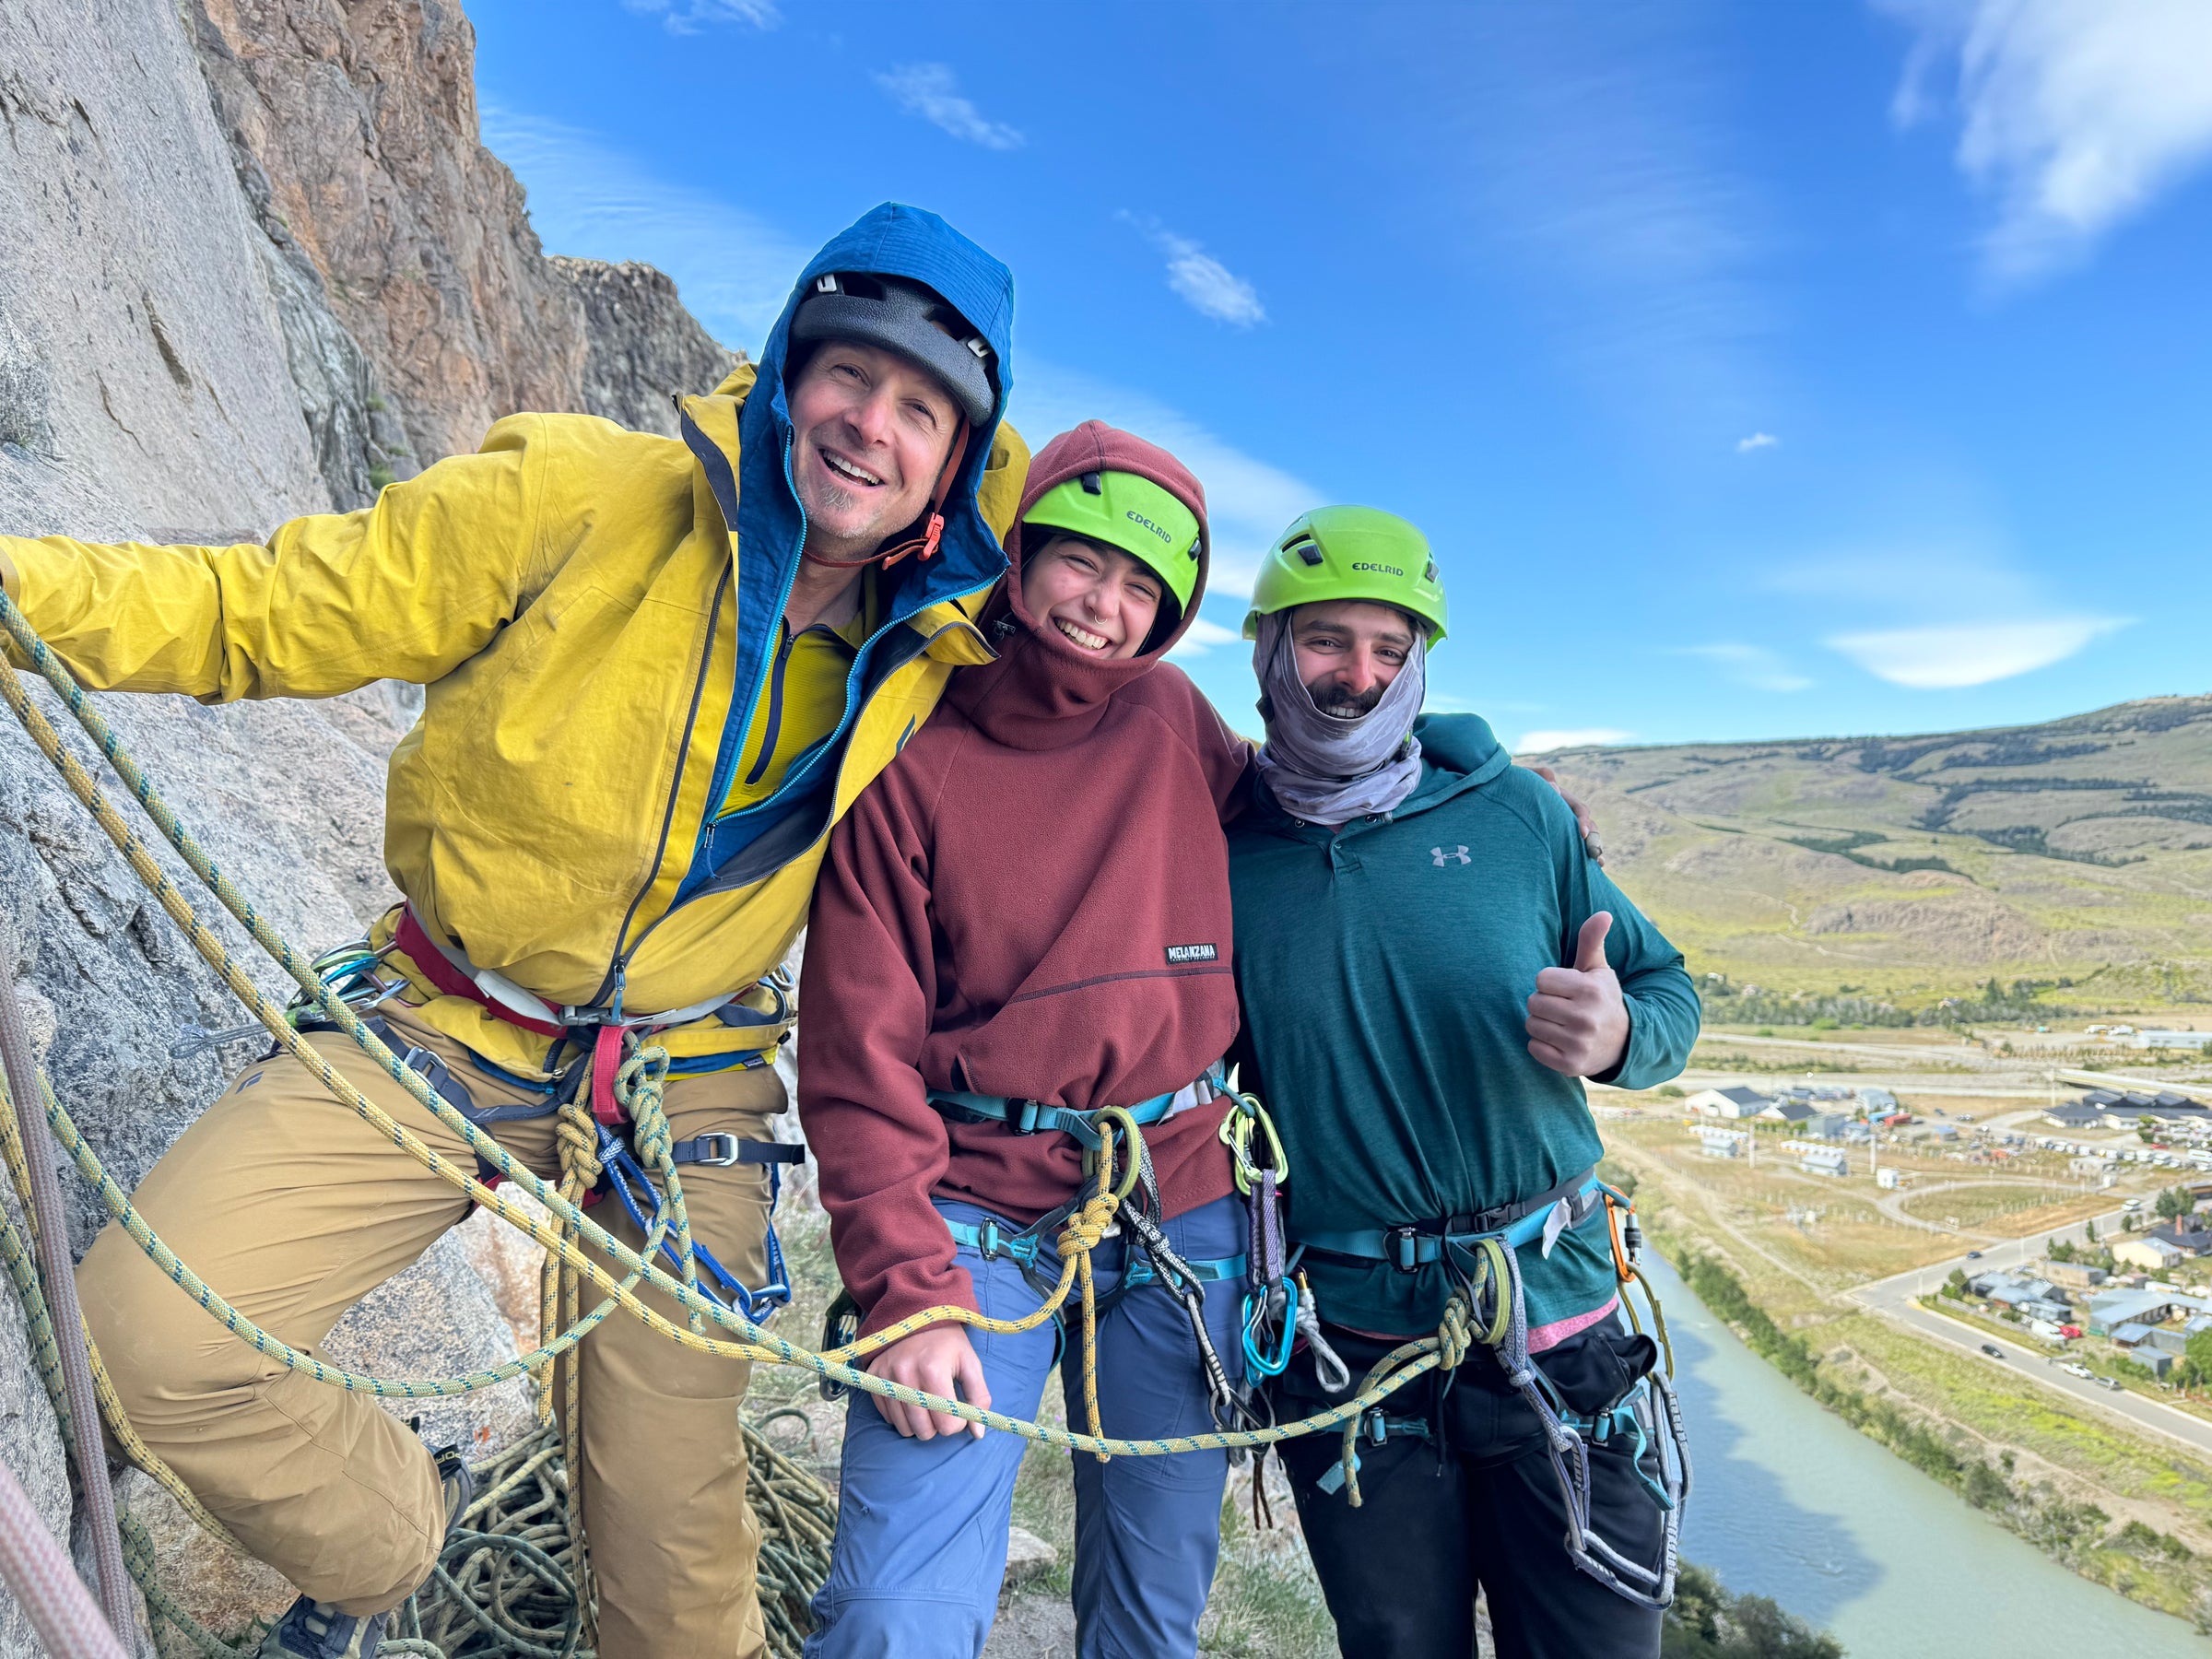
(1326, 769)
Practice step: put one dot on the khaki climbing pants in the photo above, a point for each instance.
(293, 1208)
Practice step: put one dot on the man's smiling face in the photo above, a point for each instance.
(870, 432)
(1348, 652)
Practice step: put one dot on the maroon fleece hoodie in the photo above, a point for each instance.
(1031, 900)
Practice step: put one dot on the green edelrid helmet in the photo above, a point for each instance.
(1349, 553)
(1122, 509)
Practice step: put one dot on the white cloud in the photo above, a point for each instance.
(1209, 286)
(1248, 501)
(1201, 637)
(686, 17)
(933, 92)
(1753, 665)
(2075, 114)
(1757, 440)
(1973, 653)
(1543, 743)
(735, 271)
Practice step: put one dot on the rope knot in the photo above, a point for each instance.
(1081, 1234)
(1456, 1333)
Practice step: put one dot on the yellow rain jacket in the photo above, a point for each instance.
(594, 617)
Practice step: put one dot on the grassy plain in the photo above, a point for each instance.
(1906, 868)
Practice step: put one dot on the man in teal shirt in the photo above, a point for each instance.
(1430, 962)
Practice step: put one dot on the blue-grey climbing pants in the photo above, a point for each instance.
(921, 1525)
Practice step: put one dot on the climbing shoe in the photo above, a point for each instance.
(459, 1485)
(314, 1629)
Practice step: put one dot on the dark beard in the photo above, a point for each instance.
(1339, 704)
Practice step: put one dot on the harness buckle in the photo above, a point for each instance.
(727, 1148)
(987, 1241)
(1027, 1123)
(1404, 1248)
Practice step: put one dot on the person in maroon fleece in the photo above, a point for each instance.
(1029, 910)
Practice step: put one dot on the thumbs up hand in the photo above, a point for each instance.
(1578, 1021)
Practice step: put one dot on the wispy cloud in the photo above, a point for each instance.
(933, 92)
(1953, 655)
(1209, 286)
(2074, 114)
(1567, 737)
(734, 270)
(1757, 440)
(1597, 157)
(688, 17)
(1753, 665)
(1201, 637)
(1248, 501)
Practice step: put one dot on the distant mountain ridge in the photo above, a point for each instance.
(2077, 847)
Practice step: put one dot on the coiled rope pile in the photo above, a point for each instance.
(578, 1249)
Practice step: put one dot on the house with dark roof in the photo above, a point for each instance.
(1736, 1101)
(2076, 1114)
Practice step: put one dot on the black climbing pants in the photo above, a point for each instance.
(1400, 1572)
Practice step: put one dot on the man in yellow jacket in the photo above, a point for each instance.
(657, 672)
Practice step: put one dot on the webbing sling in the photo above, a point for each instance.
(1417, 1244)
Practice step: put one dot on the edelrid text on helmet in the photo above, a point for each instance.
(1361, 553)
(1129, 511)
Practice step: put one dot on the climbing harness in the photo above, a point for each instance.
(1480, 1254)
(1417, 1244)
(1034, 1117)
(1136, 1205)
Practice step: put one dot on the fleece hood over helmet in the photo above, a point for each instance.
(1043, 692)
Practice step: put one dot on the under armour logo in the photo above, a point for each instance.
(1439, 854)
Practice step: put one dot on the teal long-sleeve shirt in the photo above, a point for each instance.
(1385, 969)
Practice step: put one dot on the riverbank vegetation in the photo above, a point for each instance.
(1707, 1623)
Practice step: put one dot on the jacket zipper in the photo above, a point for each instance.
(676, 788)
(775, 701)
(719, 788)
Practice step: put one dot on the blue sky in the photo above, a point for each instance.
(1756, 370)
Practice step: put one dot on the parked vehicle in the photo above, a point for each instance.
(2110, 1383)
(2075, 1367)
(1974, 1255)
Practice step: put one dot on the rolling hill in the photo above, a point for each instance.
(2080, 849)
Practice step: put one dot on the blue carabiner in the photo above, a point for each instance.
(1271, 1365)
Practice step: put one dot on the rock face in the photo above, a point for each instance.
(356, 132)
(641, 345)
(257, 265)
(143, 381)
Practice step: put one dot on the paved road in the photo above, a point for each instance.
(1949, 1053)
(1893, 1298)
